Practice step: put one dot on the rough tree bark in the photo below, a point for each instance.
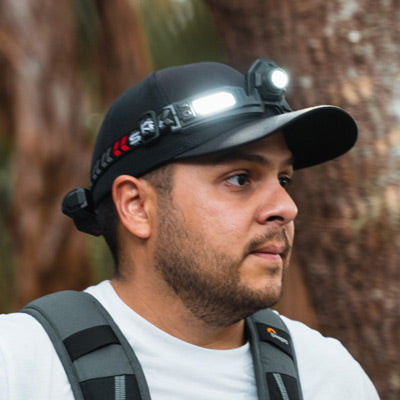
(348, 238)
(50, 97)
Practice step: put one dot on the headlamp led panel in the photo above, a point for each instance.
(221, 103)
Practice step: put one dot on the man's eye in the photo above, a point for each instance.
(285, 181)
(238, 180)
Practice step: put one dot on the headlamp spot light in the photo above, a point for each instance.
(270, 80)
(279, 78)
(213, 103)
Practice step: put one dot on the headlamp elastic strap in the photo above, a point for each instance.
(176, 117)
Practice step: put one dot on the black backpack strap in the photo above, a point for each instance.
(98, 360)
(274, 358)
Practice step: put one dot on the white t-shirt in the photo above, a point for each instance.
(174, 369)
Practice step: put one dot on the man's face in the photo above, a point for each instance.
(225, 234)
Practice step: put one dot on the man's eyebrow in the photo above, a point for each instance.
(246, 156)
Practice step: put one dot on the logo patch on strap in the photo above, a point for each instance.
(275, 336)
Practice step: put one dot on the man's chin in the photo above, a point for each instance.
(253, 302)
(267, 288)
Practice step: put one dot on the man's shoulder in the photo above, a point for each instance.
(311, 346)
(17, 326)
(22, 338)
(326, 367)
(314, 342)
(29, 364)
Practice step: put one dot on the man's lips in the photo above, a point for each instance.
(272, 251)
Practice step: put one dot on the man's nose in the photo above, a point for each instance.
(277, 206)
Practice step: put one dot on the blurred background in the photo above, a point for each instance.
(63, 62)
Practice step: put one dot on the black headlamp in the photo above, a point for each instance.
(265, 86)
(264, 90)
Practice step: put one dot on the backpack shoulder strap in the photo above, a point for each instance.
(274, 358)
(98, 360)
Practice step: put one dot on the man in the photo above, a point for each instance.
(188, 187)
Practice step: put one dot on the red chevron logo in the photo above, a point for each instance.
(120, 146)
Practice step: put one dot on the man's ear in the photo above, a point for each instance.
(134, 200)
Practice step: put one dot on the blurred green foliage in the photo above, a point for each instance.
(179, 31)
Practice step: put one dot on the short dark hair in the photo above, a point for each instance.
(161, 179)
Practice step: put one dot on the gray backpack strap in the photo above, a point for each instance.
(274, 358)
(97, 358)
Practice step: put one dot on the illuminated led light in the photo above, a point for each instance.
(213, 103)
(279, 78)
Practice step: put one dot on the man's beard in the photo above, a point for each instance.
(208, 281)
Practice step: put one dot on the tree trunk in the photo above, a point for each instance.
(348, 237)
(39, 46)
(54, 53)
(123, 56)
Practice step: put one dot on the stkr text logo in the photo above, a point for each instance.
(148, 126)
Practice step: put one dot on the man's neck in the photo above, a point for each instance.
(164, 309)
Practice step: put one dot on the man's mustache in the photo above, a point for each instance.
(277, 236)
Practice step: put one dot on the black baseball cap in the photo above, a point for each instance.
(162, 119)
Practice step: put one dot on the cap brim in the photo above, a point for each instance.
(313, 135)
